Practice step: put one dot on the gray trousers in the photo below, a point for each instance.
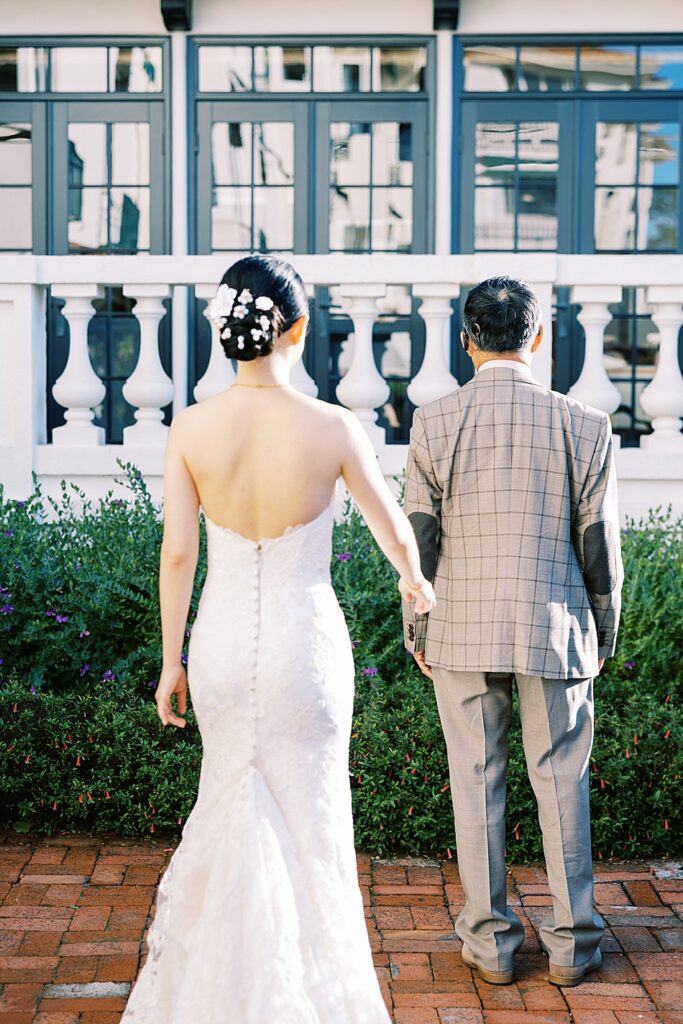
(557, 727)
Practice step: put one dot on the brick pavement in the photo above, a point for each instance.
(74, 909)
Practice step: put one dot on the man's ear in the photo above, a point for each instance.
(464, 341)
(538, 339)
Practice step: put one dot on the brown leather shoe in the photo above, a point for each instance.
(492, 977)
(569, 976)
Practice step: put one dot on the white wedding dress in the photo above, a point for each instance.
(259, 915)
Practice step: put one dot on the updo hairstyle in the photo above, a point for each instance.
(259, 298)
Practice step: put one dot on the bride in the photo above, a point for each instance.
(259, 917)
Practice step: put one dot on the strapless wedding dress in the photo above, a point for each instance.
(259, 916)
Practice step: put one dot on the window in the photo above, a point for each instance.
(81, 69)
(16, 152)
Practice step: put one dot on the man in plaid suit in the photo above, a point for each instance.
(512, 494)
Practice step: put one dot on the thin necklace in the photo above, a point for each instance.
(238, 385)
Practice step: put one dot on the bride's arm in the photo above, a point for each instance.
(179, 547)
(385, 518)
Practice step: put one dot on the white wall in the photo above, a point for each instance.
(580, 16)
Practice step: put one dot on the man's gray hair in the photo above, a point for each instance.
(501, 315)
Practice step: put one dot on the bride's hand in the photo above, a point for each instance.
(172, 680)
(424, 597)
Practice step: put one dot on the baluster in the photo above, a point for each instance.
(79, 388)
(149, 387)
(219, 373)
(301, 378)
(594, 386)
(362, 388)
(434, 379)
(662, 399)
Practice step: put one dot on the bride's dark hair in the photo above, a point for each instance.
(250, 328)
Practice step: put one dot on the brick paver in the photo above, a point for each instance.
(74, 910)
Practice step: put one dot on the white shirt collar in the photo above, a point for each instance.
(511, 364)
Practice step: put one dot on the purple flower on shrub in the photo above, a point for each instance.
(83, 669)
(344, 556)
(19, 504)
(6, 609)
(84, 632)
(61, 618)
(33, 688)
(9, 533)
(51, 611)
(152, 684)
(183, 658)
(369, 671)
(629, 664)
(108, 676)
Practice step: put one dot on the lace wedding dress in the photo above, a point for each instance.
(259, 916)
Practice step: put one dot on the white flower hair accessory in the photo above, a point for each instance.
(221, 304)
(263, 302)
(228, 304)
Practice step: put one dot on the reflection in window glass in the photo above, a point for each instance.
(225, 68)
(490, 68)
(494, 217)
(87, 154)
(282, 68)
(23, 69)
(341, 68)
(129, 220)
(231, 152)
(547, 68)
(399, 68)
(15, 217)
(392, 153)
(130, 156)
(615, 218)
(349, 219)
(135, 69)
(536, 214)
(231, 219)
(88, 226)
(616, 153)
(274, 153)
(661, 67)
(79, 69)
(657, 219)
(392, 219)
(607, 67)
(273, 219)
(350, 153)
(495, 151)
(659, 154)
(15, 154)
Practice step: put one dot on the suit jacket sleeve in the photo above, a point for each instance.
(422, 505)
(597, 541)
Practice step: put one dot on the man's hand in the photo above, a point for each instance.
(172, 680)
(422, 664)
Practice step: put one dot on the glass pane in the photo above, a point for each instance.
(15, 154)
(15, 217)
(23, 69)
(536, 215)
(124, 346)
(538, 147)
(282, 68)
(135, 69)
(350, 153)
(392, 219)
(607, 67)
(547, 68)
(224, 68)
(615, 218)
(392, 153)
(130, 153)
(658, 218)
(490, 68)
(495, 143)
(274, 153)
(231, 153)
(615, 152)
(231, 219)
(87, 154)
(494, 218)
(88, 213)
(273, 218)
(399, 68)
(659, 154)
(341, 68)
(661, 67)
(129, 212)
(79, 69)
(349, 219)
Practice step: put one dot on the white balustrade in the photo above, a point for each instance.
(78, 389)
(594, 386)
(362, 388)
(434, 378)
(662, 399)
(149, 387)
(219, 373)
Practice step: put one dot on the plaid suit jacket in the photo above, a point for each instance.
(512, 494)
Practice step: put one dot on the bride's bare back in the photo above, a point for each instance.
(263, 459)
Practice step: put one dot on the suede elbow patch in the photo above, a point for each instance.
(599, 557)
(426, 530)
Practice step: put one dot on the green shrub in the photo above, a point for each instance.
(85, 749)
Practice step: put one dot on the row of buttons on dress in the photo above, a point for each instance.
(257, 624)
